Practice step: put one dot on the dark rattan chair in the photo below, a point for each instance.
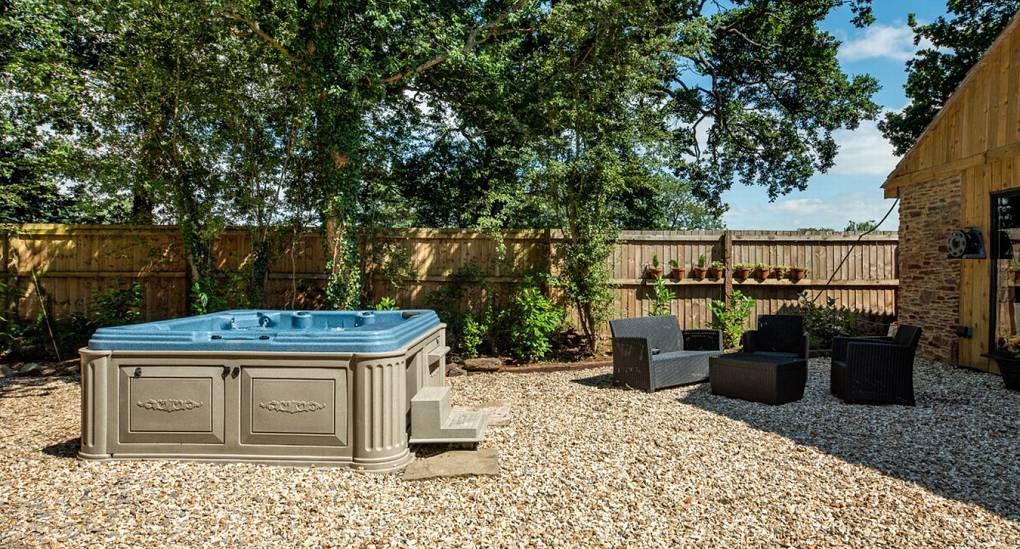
(651, 353)
(875, 370)
(782, 336)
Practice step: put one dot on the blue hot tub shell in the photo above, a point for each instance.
(273, 331)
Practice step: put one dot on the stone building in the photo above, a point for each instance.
(963, 173)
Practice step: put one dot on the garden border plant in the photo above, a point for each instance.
(732, 317)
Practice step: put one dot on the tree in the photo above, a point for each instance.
(349, 59)
(598, 101)
(957, 43)
(39, 81)
(860, 226)
(181, 104)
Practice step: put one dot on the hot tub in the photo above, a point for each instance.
(293, 387)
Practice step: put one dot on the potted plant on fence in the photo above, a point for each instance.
(655, 269)
(778, 271)
(797, 274)
(1007, 356)
(761, 271)
(699, 269)
(741, 271)
(716, 270)
(675, 271)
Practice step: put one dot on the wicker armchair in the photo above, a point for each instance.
(875, 370)
(778, 335)
(652, 352)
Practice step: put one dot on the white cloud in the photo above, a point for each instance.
(881, 42)
(831, 213)
(798, 206)
(863, 151)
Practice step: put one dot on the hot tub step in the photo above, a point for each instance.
(432, 421)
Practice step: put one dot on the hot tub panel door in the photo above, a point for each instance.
(170, 404)
(294, 406)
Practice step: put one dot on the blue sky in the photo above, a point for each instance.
(851, 188)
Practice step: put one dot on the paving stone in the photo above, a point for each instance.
(455, 463)
(482, 364)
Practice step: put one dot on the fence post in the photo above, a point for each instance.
(727, 258)
(10, 275)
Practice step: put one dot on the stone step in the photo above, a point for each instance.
(432, 420)
(430, 407)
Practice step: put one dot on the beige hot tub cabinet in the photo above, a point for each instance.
(285, 407)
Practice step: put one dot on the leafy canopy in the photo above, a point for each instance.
(957, 42)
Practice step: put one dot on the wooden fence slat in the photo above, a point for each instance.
(77, 261)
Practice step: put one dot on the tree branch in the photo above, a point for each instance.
(231, 14)
(470, 44)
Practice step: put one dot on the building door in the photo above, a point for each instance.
(1005, 267)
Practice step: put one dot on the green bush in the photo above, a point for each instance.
(473, 334)
(532, 319)
(386, 304)
(731, 318)
(36, 339)
(118, 305)
(661, 298)
(825, 322)
(465, 305)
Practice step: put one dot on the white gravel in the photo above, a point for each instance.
(583, 464)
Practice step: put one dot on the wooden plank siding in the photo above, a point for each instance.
(976, 138)
(75, 262)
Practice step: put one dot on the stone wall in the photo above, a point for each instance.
(929, 294)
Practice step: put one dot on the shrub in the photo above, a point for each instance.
(464, 304)
(472, 336)
(731, 318)
(825, 322)
(61, 338)
(661, 298)
(386, 304)
(118, 305)
(532, 319)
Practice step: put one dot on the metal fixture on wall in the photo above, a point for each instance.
(966, 243)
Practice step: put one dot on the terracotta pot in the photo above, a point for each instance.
(654, 272)
(741, 273)
(716, 273)
(699, 272)
(677, 273)
(797, 273)
(778, 272)
(761, 274)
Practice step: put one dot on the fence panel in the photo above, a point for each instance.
(72, 263)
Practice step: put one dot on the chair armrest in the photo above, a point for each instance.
(839, 344)
(805, 345)
(747, 341)
(631, 351)
(703, 340)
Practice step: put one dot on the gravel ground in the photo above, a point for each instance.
(583, 464)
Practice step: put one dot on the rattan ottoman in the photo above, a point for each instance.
(769, 378)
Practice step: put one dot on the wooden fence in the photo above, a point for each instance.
(71, 263)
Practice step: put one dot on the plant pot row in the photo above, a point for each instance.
(698, 273)
(741, 273)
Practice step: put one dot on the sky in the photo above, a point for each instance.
(851, 190)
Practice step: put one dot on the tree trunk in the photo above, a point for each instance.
(258, 283)
(142, 205)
